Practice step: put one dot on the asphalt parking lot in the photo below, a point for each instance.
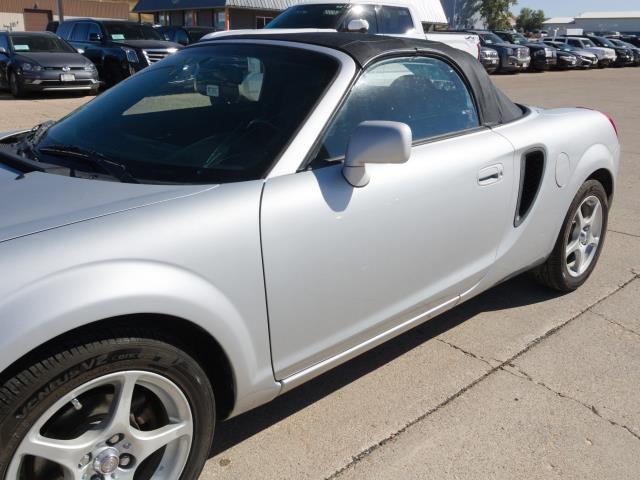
(517, 383)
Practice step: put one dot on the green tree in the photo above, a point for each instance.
(496, 13)
(530, 20)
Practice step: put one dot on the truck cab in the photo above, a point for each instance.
(398, 19)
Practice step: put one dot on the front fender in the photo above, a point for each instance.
(84, 294)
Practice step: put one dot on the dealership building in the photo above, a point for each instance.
(221, 14)
(33, 15)
(623, 22)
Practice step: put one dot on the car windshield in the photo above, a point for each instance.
(210, 114)
(38, 43)
(491, 38)
(121, 31)
(588, 43)
(605, 42)
(519, 39)
(310, 16)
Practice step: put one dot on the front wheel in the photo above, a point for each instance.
(580, 241)
(16, 88)
(123, 407)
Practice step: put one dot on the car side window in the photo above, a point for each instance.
(425, 93)
(64, 30)
(4, 43)
(361, 12)
(80, 32)
(181, 37)
(394, 20)
(93, 32)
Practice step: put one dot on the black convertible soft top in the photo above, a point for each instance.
(495, 108)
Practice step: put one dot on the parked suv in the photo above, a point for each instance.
(606, 56)
(43, 62)
(543, 57)
(513, 58)
(625, 55)
(119, 48)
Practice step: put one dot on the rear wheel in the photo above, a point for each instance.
(580, 241)
(125, 407)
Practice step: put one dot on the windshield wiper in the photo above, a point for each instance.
(26, 165)
(26, 144)
(96, 159)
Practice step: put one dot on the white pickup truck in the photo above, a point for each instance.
(401, 19)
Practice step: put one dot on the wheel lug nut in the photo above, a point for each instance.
(115, 439)
(126, 460)
(84, 461)
(126, 445)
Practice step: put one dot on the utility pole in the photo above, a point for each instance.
(60, 11)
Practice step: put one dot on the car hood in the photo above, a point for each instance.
(149, 44)
(54, 59)
(37, 201)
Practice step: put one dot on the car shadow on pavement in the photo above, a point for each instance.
(517, 292)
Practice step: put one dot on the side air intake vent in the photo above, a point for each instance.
(531, 172)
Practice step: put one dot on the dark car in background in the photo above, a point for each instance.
(184, 35)
(635, 50)
(490, 59)
(118, 48)
(625, 55)
(585, 58)
(43, 62)
(543, 57)
(513, 58)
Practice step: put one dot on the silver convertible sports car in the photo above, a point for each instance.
(253, 211)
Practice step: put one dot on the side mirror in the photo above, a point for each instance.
(375, 142)
(95, 37)
(358, 25)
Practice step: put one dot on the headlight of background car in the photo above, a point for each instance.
(89, 67)
(548, 52)
(31, 67)
(132, 56)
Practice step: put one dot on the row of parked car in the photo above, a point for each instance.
(85, 54)
(512, 52)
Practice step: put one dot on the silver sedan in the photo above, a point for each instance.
(253, 211)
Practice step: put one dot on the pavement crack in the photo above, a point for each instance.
(592, 408)
(466, 352)
(613, 322)
(624, 233)
(372, 448)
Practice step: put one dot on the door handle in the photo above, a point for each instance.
(490, 175)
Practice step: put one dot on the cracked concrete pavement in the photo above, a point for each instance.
(517, 383)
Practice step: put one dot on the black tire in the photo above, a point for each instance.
(28, 395)
(15, 87)
(554, 273)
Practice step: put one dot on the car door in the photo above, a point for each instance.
(4, 59)
(345, 264)
(92, 45)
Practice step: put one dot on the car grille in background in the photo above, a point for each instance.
(155, 55)
(73, 69)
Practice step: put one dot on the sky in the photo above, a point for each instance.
(571, 8)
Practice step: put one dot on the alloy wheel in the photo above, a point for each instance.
(130, 425)
(584, 236)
